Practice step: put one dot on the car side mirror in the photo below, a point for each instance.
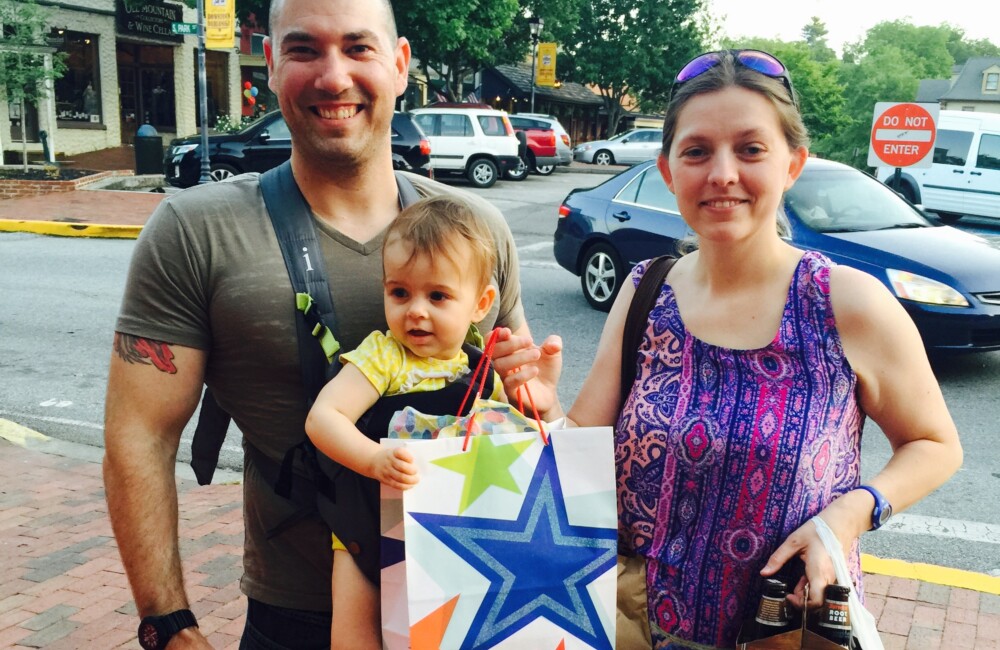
(625, 141)
(264, 136)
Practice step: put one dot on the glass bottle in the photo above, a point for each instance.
(772, 611)
(834, 621)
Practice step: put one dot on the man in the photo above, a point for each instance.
(208, 300)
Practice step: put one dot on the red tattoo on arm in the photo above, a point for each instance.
(133, 349)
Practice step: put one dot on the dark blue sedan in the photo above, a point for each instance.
(948, 280)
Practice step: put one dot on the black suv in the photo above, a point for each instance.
(266, 143)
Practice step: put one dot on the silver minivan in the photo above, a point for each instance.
(965, 176)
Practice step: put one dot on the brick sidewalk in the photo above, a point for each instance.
(64, 586)
(63, 583)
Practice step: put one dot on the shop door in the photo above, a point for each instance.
(128, 101)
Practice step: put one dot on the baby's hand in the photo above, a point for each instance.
(395, 468)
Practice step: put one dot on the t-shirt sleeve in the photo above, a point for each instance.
(379, 358)
(166, 292)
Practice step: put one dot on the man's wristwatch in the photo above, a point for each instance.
(882, 510)
(155, 632)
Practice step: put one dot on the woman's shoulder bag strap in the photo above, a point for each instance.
(638, 316)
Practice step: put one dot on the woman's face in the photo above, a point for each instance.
(729, 164)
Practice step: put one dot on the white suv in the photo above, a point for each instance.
(467, 139)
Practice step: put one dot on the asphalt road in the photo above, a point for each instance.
(59, 298)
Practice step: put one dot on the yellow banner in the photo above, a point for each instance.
(220, 24)
(545, 74)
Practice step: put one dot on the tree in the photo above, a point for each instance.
(632, 48)
(456, 38)
(25, 76)
(814, 34)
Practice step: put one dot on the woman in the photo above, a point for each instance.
(757, 368)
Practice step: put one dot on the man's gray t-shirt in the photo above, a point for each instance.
(207, 273)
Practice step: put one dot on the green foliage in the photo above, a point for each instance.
(458, 37)
(634, 47)
(22, 48)
(226, 124)
(814, 34)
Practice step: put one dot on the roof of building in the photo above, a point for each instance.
(969, 84)
(931, 90)
(519, 78)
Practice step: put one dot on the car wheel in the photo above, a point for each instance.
(482, 172)
(604, 157)
(948, 217)
(601, 276)
(222, 171)
(520, 172)
(908, 193)
(544, 170)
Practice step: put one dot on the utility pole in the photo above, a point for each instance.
(206, 167)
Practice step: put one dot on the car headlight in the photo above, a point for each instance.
(911, 286)
(182, 149)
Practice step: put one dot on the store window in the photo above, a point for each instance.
(78, 91)
(216, 66)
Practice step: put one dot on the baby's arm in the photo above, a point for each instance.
(331, 427)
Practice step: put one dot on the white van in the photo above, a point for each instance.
(965, 176)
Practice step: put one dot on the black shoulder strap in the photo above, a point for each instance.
(638, 315)
(314, 321)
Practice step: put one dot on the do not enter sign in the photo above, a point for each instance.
(903, 135)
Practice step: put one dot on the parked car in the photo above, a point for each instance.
(626, 148)
(470, 139)
(965, 175)
(564, 145)
(948, 280)
(266, 143)
(542, 141)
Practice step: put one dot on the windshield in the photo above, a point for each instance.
(845, 200)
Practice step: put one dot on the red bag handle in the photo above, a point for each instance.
(482, 371)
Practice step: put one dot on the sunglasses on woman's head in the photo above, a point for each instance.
(756, 60)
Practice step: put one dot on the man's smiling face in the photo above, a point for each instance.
(337, 71)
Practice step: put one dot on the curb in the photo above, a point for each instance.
(26, 438)
(60, 229)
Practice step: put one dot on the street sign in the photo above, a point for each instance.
(190, 29)
(903, 134)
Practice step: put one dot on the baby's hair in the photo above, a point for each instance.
(438, 225)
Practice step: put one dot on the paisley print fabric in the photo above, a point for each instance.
(722, 453)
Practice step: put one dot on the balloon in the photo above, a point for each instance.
(247, 85)
(254, 91)
(246, 93)
(252, 101)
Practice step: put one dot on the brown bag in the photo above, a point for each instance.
(632, 624)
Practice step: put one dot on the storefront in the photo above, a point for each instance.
(124, 67)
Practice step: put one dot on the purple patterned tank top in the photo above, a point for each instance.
(722, 453)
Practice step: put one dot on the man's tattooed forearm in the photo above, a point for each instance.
(133, 349)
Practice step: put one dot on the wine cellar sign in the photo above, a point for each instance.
(148, 18)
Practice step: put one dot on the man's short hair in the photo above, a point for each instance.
(439, 225)
(274, 16)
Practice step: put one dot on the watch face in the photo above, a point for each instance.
(884, 515)
(149, 638)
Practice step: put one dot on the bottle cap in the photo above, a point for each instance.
(774, 588)
(837, 592)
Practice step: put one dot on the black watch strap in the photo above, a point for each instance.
(155, 632)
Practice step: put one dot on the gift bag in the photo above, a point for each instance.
(509, 543)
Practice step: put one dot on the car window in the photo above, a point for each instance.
(279, 130)
(848, 201)
(650, 191)
(492, 125)
(638, 136)
(952, 147)
(989, 152)
(653, 192)
(455, 125)
(426, 122)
